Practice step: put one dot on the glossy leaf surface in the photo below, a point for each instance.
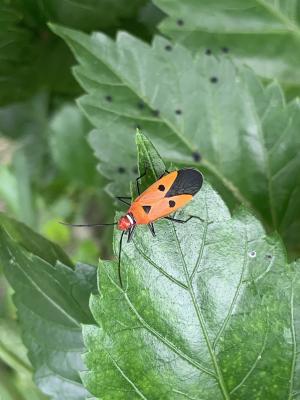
(210, 310)
(197, 110)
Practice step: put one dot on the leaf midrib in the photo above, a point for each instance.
(219, 375)
(293, 334)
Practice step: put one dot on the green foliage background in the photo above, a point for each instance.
(211, 310)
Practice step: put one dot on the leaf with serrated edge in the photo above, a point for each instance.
(260, 33)
(246, 134)
(52, 303)
(209, 311)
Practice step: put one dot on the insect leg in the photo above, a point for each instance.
(123, 199)
(130, 234)
(151, 228)
(119, 260)
(183, 221)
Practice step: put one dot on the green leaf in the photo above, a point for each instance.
(263, 34)
(8, 190)
(89, 15)
(52, 303)
(70, 150)
(210, 310)
(25, 194)
(246, 134)
(20, 45)
(25, 118)
(17, 387)
(150, 164)
(33, 242)
(12, 350)
(14, 354)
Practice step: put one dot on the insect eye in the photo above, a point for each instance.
(172, 203)
(161, 188)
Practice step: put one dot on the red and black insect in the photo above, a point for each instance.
(169, 193)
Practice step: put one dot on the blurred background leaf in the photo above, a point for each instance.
(51, 298)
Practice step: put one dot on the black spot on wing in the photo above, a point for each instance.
(188, 181)
(146, 209)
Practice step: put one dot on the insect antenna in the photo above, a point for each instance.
(80, 225)
(119, 260)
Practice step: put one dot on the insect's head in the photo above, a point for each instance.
(126, 222)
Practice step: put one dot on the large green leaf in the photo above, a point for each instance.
(52, 303)
(192, 107)
(210, 310)
(263, 34)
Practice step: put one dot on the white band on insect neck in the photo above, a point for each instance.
(130, 219)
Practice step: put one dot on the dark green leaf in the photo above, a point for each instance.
(263, 34)
(88, 15)
(52, 303)
(210, 311)
(196, 110)
(30, 60)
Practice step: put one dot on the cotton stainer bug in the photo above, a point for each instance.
(165, 196)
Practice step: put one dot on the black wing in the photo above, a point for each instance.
(188, 181)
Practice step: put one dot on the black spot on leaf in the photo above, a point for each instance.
(141, 105)
(178, 111)
(225, 49)
(108, 98)
(208, 52)
(214, 79)
(180, 22)
(196, 156)
(168, 47)
(155, 113)
(121, 170)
